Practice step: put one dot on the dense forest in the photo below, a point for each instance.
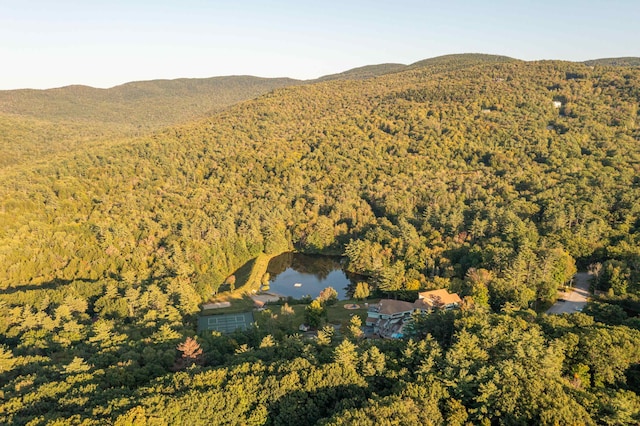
(492, 177)
(34, 123)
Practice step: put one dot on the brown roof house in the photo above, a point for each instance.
(439, 299)
(389, 317)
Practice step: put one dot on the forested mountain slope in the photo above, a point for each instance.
(35, 123)
(459, 61)
(454, 159)
(621, 62)
(364, 72)
(146, 104)
(490, 179)
(38, 123)
(437, 64)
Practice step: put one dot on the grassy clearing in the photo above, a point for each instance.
(251, 283)
(248, 278)
(274, 321)
(238, 304)
(288, 322)
(337, 314)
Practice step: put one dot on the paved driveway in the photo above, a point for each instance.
(575, 300)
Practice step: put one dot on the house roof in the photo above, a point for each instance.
(440, 297)
(423, 304)
(390, 307)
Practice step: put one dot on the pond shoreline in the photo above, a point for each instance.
(299, 275)
(248, 294)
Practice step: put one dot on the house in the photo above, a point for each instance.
(389, 317)
(438, 299)
(557, 104)
(388, 309)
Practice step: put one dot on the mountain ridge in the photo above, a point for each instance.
(369, 70)
(472, 179)
(626, 61)
(74, 115)
(79, 102)
(372, 68)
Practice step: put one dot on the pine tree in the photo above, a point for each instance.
(315, 314)
(355, 327)
(192, 354)
(325, 334)
(345, 354)
(362, 291)
(7, 361)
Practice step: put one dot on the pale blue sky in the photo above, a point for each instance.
(45, 43)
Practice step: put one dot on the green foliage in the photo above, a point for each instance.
(328, 296)
(7, 361)
(345, 354)
(355, 327)
(620, 62)
(325, 335)
(614, 277)
(606, 313)
(78, 365)
(457, 172)
(362, 291)
(372, 362)
(315, 314)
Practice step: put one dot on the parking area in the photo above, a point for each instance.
(575, 300)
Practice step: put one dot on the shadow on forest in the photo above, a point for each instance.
(302, 407)
(47, 285)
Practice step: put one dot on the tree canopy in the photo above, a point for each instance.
(492, 177)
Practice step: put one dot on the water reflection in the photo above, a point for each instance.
(298, 275)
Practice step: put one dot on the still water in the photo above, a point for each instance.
(298, 275)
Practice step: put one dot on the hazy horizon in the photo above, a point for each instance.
(50, 45)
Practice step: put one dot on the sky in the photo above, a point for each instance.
(45, 43)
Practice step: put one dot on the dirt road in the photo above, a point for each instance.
(574, 300)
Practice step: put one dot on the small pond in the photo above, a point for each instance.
(298, 275)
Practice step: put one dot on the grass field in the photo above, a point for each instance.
(248, 278)
(336, 314)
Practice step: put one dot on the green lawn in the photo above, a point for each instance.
(238, 304)
(337, 314)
